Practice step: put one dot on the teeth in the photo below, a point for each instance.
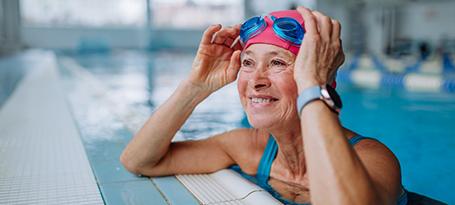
(261, 100)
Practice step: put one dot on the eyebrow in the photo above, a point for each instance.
(273, 53)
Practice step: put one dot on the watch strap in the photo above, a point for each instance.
(308, 95)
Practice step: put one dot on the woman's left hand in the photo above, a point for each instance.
(321, 51)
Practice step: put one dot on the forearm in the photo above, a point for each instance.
(152, 141)
(336, 174)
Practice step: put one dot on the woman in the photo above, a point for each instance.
(297, 148)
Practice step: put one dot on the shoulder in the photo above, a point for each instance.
(242, 137)
(370, 148)
(245, 146)
(381, 164)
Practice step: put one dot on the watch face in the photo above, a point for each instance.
(334, 96)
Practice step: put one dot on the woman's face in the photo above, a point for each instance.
(266, 85)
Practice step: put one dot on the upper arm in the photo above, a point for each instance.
(197, 156)
(383, 168)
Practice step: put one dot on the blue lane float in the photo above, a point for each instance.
(449, 85)
(448, 65)
(380, 75)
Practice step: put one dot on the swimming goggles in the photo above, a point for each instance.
(286, 28)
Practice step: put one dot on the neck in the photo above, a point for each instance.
(290, 156)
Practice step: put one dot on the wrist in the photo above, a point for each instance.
(193, 91)
(303, 84)
(319, 92)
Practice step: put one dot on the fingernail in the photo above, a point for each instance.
(235, 42)
(213, 38)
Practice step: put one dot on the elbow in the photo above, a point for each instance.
(129, 164)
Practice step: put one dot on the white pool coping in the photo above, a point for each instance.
(42, 160)
(226, 187)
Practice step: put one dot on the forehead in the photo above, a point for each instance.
(267, 50)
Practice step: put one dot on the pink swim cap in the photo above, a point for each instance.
(268, 36)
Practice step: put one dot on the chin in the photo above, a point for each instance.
(261, 121)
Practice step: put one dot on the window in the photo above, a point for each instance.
(127, 13)
(84, 13)
(195, 13)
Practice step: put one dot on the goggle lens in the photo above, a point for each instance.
(289, 29)
(286, 28)
(252, 27)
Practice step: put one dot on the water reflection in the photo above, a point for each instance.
(123, 89)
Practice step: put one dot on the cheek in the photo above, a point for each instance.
(288, 104)
(291, 90)
(242, 84)
(286, 86)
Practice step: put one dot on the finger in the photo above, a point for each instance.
(309, 20)
(238, 46)
(236, 43)
(316, 18)
(324, 25)
(208, 33)
(234, 65)
(237, 29)
(234, 30)
(221, 36)
(228, 42)
(336, 30)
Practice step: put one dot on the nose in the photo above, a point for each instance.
(260, 80)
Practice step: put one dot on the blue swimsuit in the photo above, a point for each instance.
(263, 172)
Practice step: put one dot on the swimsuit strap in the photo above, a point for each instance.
(265, 164)
(356, 139)
(403, 199)
(271, 150)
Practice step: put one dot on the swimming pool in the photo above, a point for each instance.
(417, 127)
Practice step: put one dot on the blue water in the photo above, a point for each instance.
(417, 127)
(12, 69)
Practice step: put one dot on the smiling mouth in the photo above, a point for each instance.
(258, 100)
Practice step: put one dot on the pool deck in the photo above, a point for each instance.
(42, 160)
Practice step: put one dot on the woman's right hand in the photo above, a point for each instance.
(216, 64)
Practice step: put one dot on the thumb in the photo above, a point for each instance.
(234, 65)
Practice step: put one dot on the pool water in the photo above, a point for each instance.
(12, 69)
(417, 127)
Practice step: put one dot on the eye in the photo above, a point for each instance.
(278, 63)
(247, 63)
